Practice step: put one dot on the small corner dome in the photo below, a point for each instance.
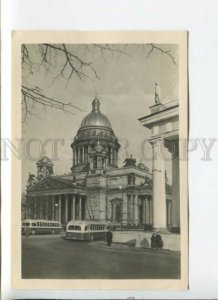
(142, 167)
(44, 161)
(95, 118)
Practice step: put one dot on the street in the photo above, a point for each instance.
(52, 257)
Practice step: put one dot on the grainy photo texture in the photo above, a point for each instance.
(100, 160)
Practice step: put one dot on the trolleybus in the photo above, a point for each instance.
(86, 230)
(41, 227)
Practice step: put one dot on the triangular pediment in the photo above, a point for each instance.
(51, 183)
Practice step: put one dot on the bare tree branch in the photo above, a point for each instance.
(75, 63)
(36, 96)
(62, 61)
(166, 52)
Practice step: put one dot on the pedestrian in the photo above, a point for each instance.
(159, 241)
(153, 241)
(26, 229)
(109, 237)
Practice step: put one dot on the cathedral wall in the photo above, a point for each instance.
(139, 180)
(102, 206)
(96, 206)
(116, 181)
(93, 206)
(96, 181)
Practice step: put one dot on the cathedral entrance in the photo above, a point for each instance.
(116, 210)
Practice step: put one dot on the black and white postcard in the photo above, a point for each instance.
(100, 126)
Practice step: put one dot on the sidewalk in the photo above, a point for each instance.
(43, 236)
(119, 246)
(102, 244)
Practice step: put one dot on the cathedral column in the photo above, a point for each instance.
(115, 153)
(87, 154)
(149, 210)
(81, 154)
(59, 208)
(133, 209)
(66, 208)
(136, 210)
(111, 153)
(74, 157)
(112, 156)
(40, 207)
(84, 154)
(73, 207)
(175, 187)
(35, 208)
(147, 213)
(76, 154)
(159, 195)
(53, 207)
(46, 207)
(109, 156)
(124, 210)
(80, 207)
(130, 218)
(88, 151)
(112, 211)
(143, 210)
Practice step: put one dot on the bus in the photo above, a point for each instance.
(86, 230)
(41, 226)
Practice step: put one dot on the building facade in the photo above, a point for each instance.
(96, 188)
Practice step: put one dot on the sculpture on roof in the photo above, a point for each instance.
(157, 93)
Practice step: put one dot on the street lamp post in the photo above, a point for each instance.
(56, 208)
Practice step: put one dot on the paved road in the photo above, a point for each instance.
(52, 257)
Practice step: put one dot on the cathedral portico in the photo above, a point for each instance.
(163, 122)
(54, 199)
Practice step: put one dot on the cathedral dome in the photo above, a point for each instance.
(95, 118)
(94, 137)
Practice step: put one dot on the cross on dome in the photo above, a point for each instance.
(95, 104)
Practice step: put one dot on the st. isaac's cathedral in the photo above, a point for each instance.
(96, 188)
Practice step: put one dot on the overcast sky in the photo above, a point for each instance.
(125, 90)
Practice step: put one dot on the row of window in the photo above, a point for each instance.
(42, 224)
(74, 227)
(97, 227)
(93, 132)
(92, 227)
